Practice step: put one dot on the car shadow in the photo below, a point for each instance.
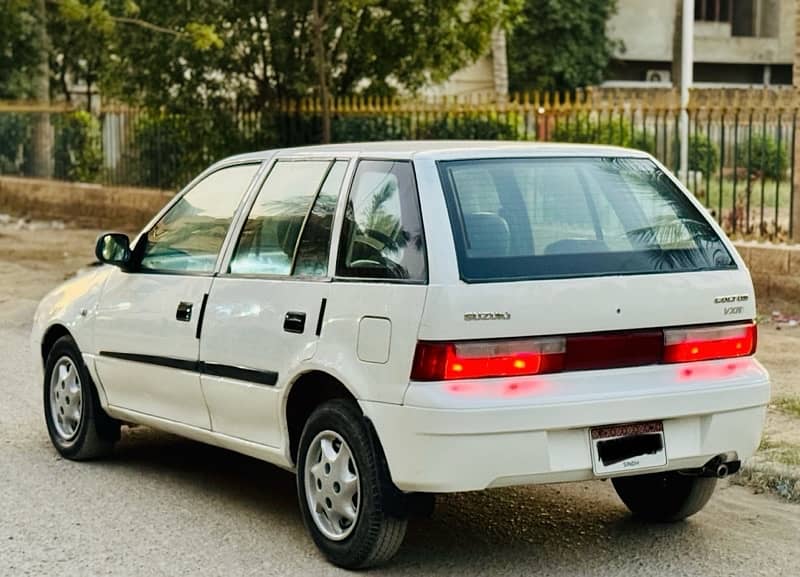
(553, 529)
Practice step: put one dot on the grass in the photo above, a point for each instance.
(789, 405)
(783, 453)
(711, 195)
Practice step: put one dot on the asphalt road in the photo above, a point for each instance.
(167, 506)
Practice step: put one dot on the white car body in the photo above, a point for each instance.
(436, 437)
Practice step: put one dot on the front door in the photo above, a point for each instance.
(264, 314)
(146, 327)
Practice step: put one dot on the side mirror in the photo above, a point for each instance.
(113, 248)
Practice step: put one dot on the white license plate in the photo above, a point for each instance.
(628, 447)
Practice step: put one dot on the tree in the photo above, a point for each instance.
(560, 44)
(18, 51)
(86, 39)
(42, 141)
(273, 49)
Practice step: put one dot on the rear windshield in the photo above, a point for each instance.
(530, 218)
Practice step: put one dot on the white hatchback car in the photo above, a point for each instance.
(393, 320)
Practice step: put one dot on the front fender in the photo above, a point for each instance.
(73, 305)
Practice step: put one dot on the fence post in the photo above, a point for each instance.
(794, 202)
(794, 216)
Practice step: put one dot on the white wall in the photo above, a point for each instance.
(645, 27)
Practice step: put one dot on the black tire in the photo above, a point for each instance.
(378, 530)
(96, 432)
(665, 497)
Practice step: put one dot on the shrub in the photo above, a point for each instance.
(14, 141)
(370, 128)
(167, 149)
(77, 148)
(765, 156)
(643, 141)
(584, 129)
(469, 127)
(703, 154)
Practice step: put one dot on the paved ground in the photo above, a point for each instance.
(166, 506)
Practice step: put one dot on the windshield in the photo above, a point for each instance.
(529, 218)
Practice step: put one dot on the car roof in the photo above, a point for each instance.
(445, 149)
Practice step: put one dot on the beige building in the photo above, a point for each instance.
(486, 76)
(736, 42)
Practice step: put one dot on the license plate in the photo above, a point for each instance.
(629, 447)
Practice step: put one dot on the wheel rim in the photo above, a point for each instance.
(66, 398)
(333, 486)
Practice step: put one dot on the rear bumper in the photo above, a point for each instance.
(483, 440)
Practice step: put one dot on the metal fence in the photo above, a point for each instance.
(741, 142)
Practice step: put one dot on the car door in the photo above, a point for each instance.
(146, 326)
(264, 313)
(379, 289)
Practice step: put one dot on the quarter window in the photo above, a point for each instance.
(269, 237)
(382, 235)
(315, 242)
(189, 236)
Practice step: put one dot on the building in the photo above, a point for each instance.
(486, 76)
(736, 42)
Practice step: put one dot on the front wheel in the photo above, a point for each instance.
(77, 424)
(344, 489)
(665, 497)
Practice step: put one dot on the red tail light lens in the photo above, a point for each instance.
(443, 361)
(473, 360)
(686, 345)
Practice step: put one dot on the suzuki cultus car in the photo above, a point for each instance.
(395, 320)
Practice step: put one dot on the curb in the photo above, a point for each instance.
(782, 480)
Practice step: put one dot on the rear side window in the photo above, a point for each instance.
(568, 217)
(382, 235)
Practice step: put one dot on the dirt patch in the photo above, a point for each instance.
(84, 205)
(34, 259)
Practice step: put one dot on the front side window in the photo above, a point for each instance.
(566, 217)
(382, 235)
(189, 236)
(269, 238)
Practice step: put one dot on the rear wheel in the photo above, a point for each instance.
(79, 428)
(665, 497)
(344, 489)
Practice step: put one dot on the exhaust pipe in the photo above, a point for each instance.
(719, 467)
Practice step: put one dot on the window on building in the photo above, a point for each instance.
(741, 15)
(713, 10)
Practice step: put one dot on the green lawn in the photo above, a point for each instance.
(715, 193)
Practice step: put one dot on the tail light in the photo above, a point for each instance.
(443, 361)
(703, 344)
(434, 361)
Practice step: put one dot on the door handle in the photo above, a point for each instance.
(294, 322)
(184, 312)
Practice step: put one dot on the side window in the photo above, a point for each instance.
(189, 236)
(382, 235)
(315, 243)
(269, 237)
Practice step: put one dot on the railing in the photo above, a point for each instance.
(742, 143)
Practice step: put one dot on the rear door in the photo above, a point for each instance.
(381, 279)
(549, 246)
(266, 310)
(147, 320)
